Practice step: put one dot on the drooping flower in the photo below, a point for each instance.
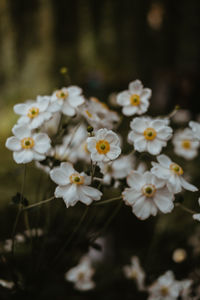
(81, 275)
(33, 114)
(172, 173)
(149, 135)
(135, 100)
(73, 186)
(67, 100)
(181, 116)
(195, 128)
(98, 114)
(26, 145)
(117, 169)
(165, 288)
(185, 144)
(135, 272)
(197, 215)
(104, 146)
(147, 195)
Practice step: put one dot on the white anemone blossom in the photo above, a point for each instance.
(117, 169)
(195, 128)
(165, 288)
(172, 173)
(67, 100)
(26, 145)
(147, 195)
(104, 146)
(73, 186)
(149, 134)
(33, 114)
(135, 100)
(197, 215)
(81, 275)
(135, 272)
(186, 145)
(98, 114)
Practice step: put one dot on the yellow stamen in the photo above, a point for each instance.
(149, 190)
(150, 134)
(86, 148)
(76, 178)
(33, 112)
(88, 113)
(27, 143)
(176, 169)
(94, 99)
(164, 291)
(102, 146)
(135, 100)
(62, 94)
(186, 144)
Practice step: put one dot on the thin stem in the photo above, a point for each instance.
(39, 203)
(174, 111)
(183, 207)
(108, 201)
(72, 234)
(19, 211)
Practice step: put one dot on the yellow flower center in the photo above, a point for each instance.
(186, 144)
(134, 274)
(62, 94)
(27, 143)
(33, 112)
(76, 178)
(88, 113)
(94, 99)
(102, 147)
(176, 169)
(149, 190)
(150, 134)
(135, 100)
(86, 148)
(164, 291)
(81, 276)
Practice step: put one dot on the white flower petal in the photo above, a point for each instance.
(188, 186)
(142, 208)
(74, 90)
(75, 101)
(130, 110)
(91, 192)
(13, 143)
(163, 199)
(67, 168)
(23, 157)
(164, 160)
(114, 152)
(146, 94)
(20, 109)
(123, 98)
(21, 131)
(59, 176)
(135, 87)
(135, 180)
(68, 110)
(139, 124)
(154, 147)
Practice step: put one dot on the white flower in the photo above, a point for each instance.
(149, 135)
(197, 216)
(181, 116)
(165, 288)
(135, 100)
(67, 100)
(28, 146)
(185, 143)
(33, 114)
(98, 114)
(195, 128)
(147, 194)
(81, 275)
(135, 272)
(51, 127)
(186, 289)
(73, 187)
(104, 146)
(172, 174)
(7, 284)
(118, 169)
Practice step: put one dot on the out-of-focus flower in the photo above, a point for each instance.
(186, 289)
(197, 216)
(147, 194)
(67, 100)
(118, 169)
(51, 127)
(98, 114)
(149, 134)
(165, 288)
(135, 100)
(179, 255)
(27, 146)
(195, 128)
(33, 114)
(135, 272)
(81, 275)
(181, 116)
(185, 144)
(73, 186)
(6, 284)
(172, 174)
(104, 146)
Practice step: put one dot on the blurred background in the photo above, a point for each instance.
(104, 45)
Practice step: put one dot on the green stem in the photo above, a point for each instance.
(39, 203)
(108, 201)
(183, 207)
